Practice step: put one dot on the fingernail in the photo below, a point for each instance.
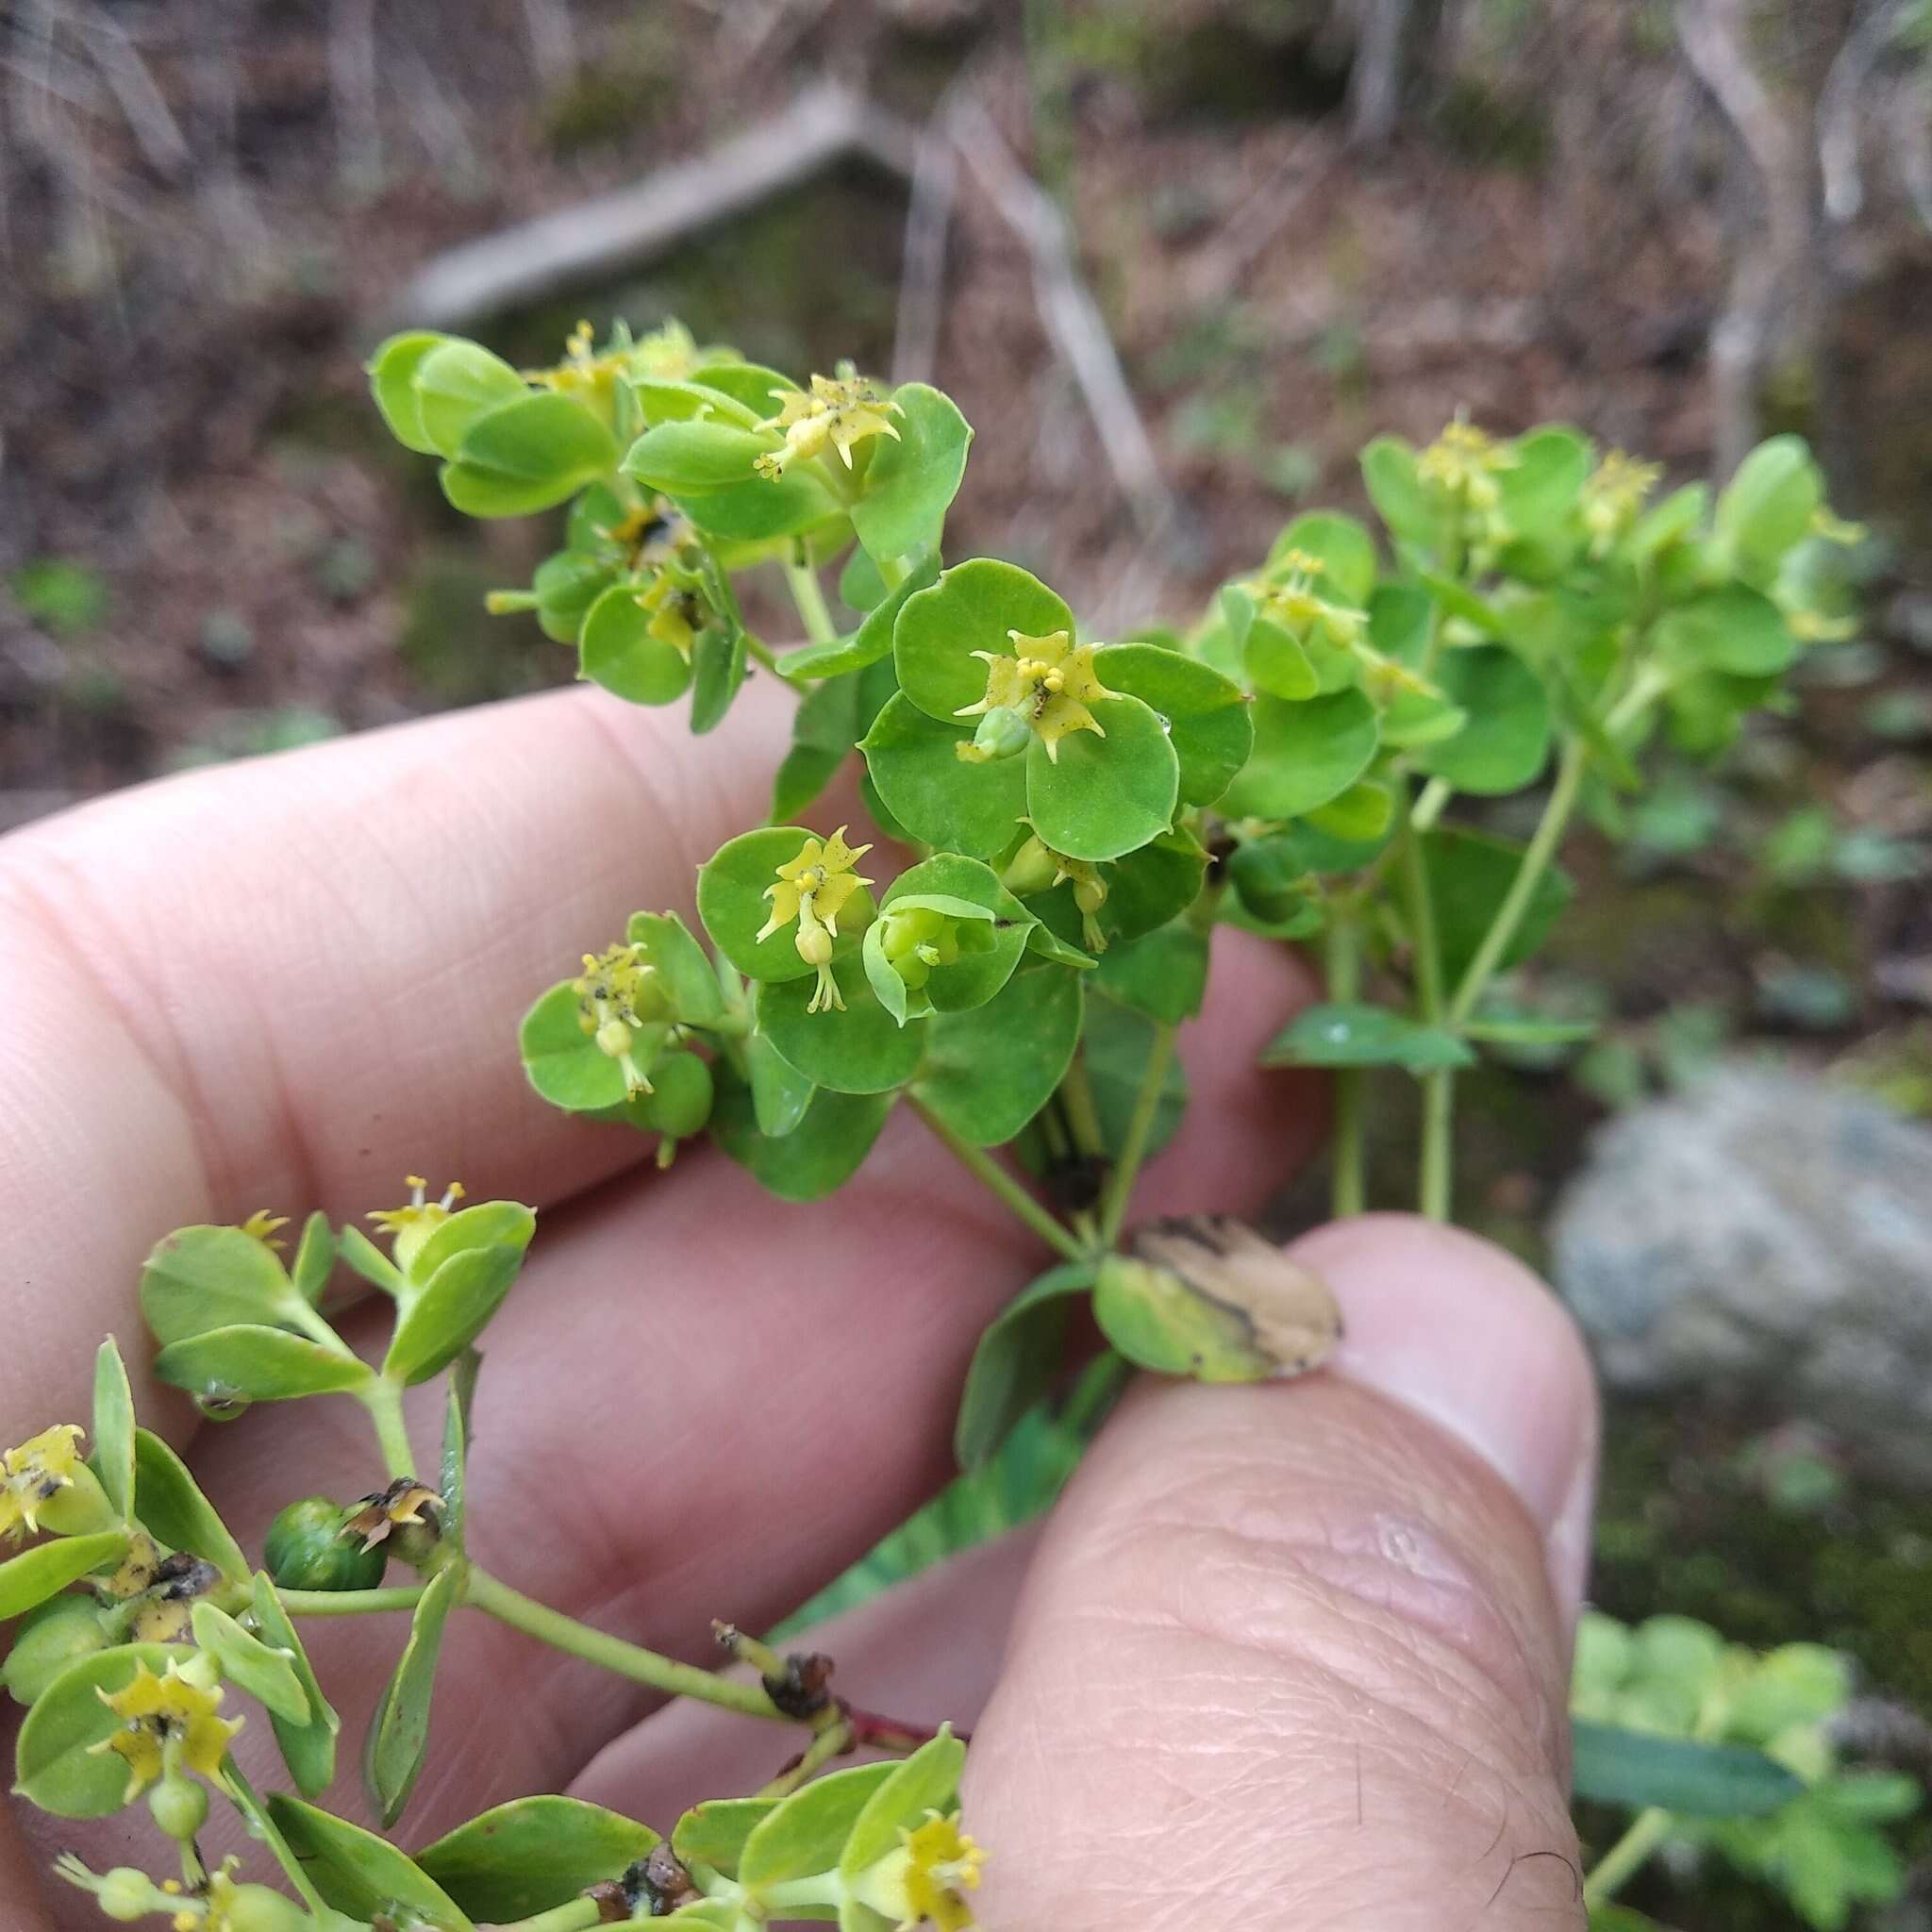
(1463, 1334)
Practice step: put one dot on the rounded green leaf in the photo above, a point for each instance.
(734, 902)
(1541, 488)
(698, 457)
(267, 1673)
(1017, 1361)
(715, 1833)
(174, 1510)
(681, 963)
(1144, 889)
(615, 649)
(308, 1747)
(972, 608)
(1102, 796)
(392, 381)
(532, 1854)
(564, 1063)
(527, 455)
(1401, 499)
(751, 386)
(1275, 663)
(565, 587)
(988, 1072)
(199, 1278)
(40, 1573)
(807, 1831)
(1160, 1322)
(113, 1427)
(357, 1871)
(912, 480)
(456, 384)
(1504, 743)
(1471, 875)
(1345, 549)
(1361, 814)
(260, 1364)
(1355, 1035)
(680, 1102)
(56, 1765)
(820, 1154)
(1304, 756)
(780, 1093)
(1736, 630)
(862, 1049)
(1206, 715)
(936, 797)
(662, 400)
(1163, 974)
(1767, 508)
(794, 504)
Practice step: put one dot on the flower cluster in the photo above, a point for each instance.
(838, 412)
(813, 888)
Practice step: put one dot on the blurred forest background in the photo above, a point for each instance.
(1287, 225)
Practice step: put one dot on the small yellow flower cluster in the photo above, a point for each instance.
(1037, 868)
(33, 1474)
(168, 1724)
(262, 1226)
(618, 995)
(1291, 595)
(125, 1894)
(1616, 491)
(413, 1224)
(924, 1882)
(814, 888)
(837, 412)
(1047, 682)
(1462, 464)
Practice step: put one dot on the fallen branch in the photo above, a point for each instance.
(1841, 102)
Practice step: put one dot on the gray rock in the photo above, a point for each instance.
(1769, 1232)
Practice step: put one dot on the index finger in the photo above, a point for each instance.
(286, 983)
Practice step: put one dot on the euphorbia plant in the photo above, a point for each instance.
(1058, 823)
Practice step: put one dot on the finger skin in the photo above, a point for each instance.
(1290, 1655)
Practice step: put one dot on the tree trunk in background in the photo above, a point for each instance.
(1375, 83)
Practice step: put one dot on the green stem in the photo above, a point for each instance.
(1343, 971)
(991, 1175)
(1536, 861)
(761, 652)
(573, 1916)
(1120, 1183)
(1627, 1856)
(498, 1599)
(349, 1602)
(1083, 1117)
(1648, 686)
(831, 1741)
(809, 596)
(1435, 798)
(242, 1796)
(383, 1399)
(1439, 1086)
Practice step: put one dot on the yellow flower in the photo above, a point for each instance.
(1615, 492)
(814, 888)
(219, 1905)
(33, 1474)
(618, 996)
(926, 1881)
(1289, 596)
(262, 1226)
(1048, 681)
(1464, 461)
(413, 1224)
(674, 608)
(166, 1722)
(403, 1502)
(839, 412)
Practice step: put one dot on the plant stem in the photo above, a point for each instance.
(1627, 1856)
(761, 652)
(982, 1166)
(1536, 861)
(1434, 800)
(1343, 971)
(809, 596)
(1083, 1117)
(498, 1599)
(349, 1602)
(1120, 1183)
(1439, 1086)
(573, 1916)
(833, 1740)
(383, 1399)
(242, 1796)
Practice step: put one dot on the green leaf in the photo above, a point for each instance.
(1304, 755)
(1103, 797)
(1144, 889)
(464, 1269)
(1018, 1359)
(679, 1103)
(533, 1855)
(616, 650)
(824, 731)
(1399, 495)
(872, 641)
(456, 384)
(1470, 873)
(262, 1364)
(358, 1873)
(1275, 663)
(199, 1278)
(173, 1509)
(913, 479)
(315, 1258)
(751, 386)
(715, 1832)
(1737, 630)
(1362, 814)
(56, 1765)
(452, 1482)
(398, 1738)
(807, 1831)
(308, 1748)
(113, 1429)
(698, 457)
(563, 1062)
(1343, 1035)
(972, 607)
(1458, 600)
(1541, 488)
(1206, 715)
(734, 902)
(1765, 509)
(969, 891)
(780, 1093)
(988, 1072)
(368, 1260)
(862, 1049)
(1506, 744)
(925, 1782)
(937, 798)
(794, 504)
(1163, 974)
(1117, 1044)
(817, 1157)
(48, 1568)
(1637, 1769)
(719, 659)
(565, 587)
(527, 455)
(683, 965)
(1345, 549)
(392, 381)
(266, 1673)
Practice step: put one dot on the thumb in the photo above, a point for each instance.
(1296, 1656)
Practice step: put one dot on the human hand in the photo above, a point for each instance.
(1288, 1656)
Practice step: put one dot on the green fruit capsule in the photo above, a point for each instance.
(51, 1635)
(179, 1808)
(256, 1909)
(305, 1549)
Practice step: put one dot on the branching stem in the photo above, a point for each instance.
(809, 596)
(1120, 1183)
(997, 1182)
(1439, 1086)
